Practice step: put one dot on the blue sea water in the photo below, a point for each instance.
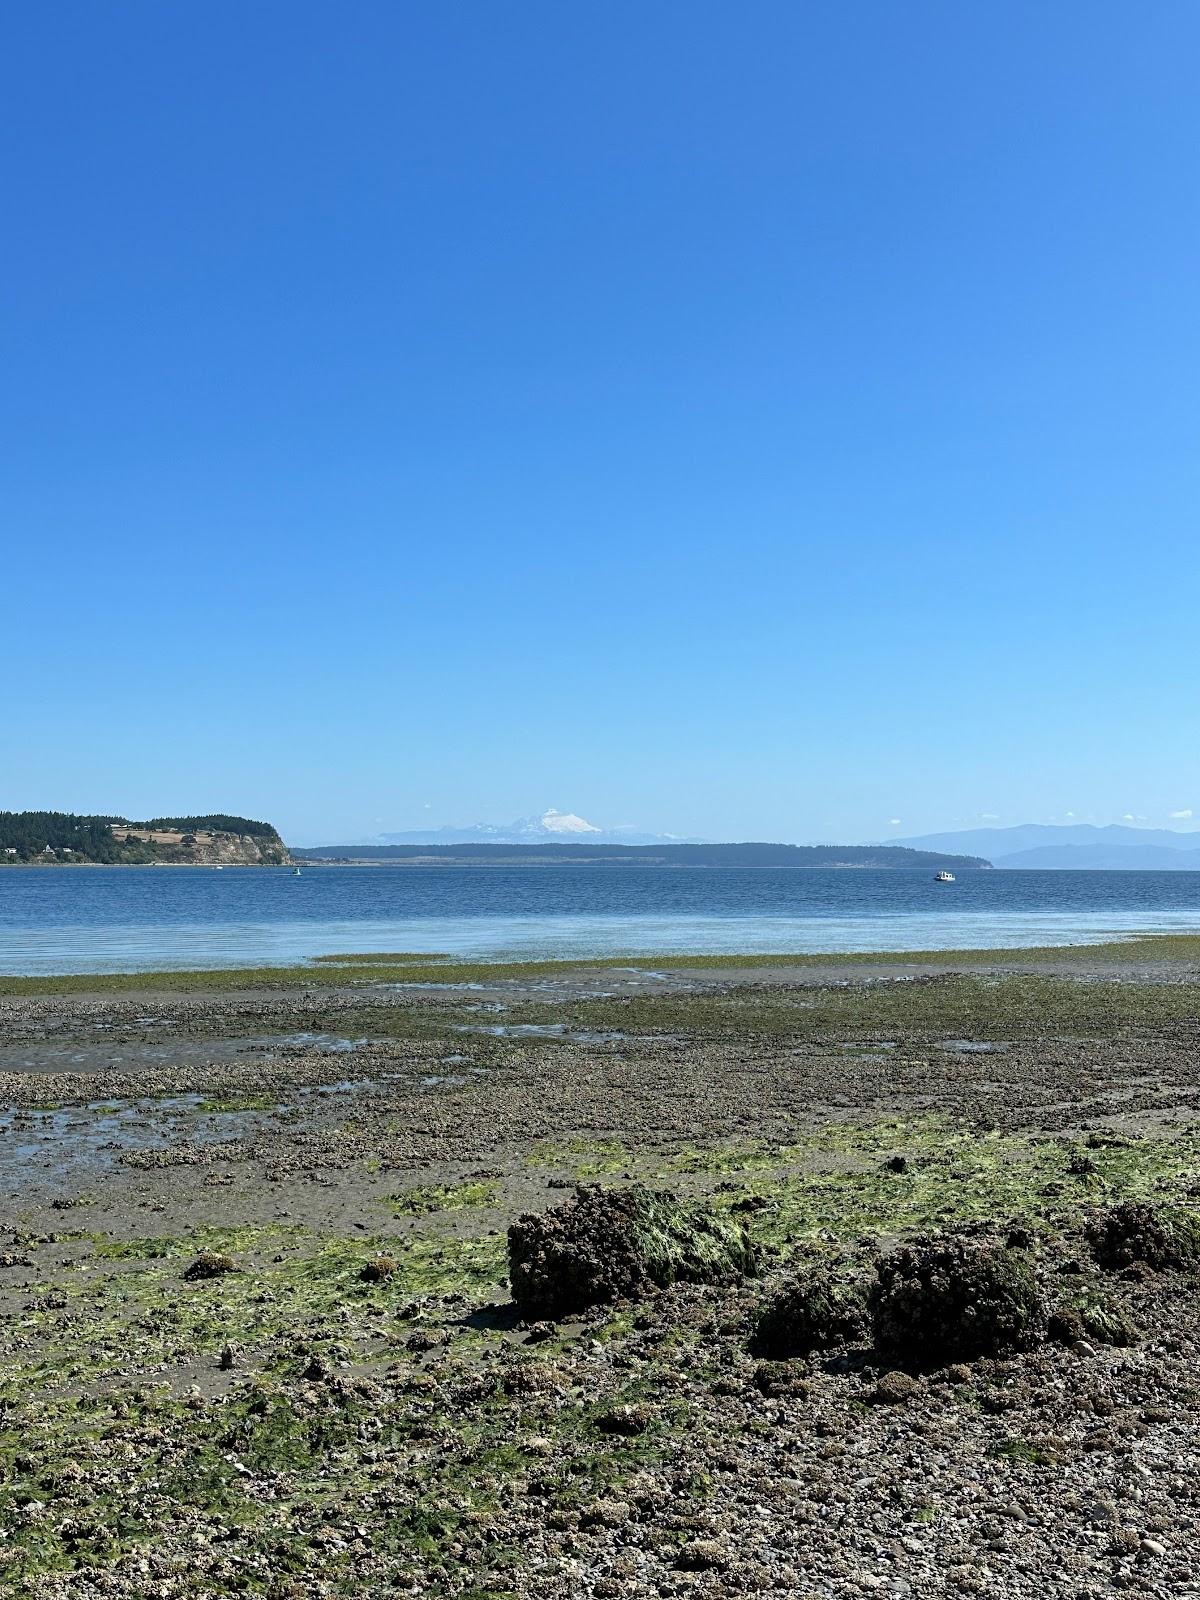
(95, 919)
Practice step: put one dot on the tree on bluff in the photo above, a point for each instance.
(217, 823)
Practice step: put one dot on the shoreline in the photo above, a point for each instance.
(436, 967)
(142, 866)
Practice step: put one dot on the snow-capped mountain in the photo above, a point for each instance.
(557, 822)
(551, 825)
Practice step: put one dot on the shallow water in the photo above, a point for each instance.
(75, 1141)
(128, 919)
(67, 1145)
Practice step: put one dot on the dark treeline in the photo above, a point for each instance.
(29, 833)
(895, 857)
(214, 824)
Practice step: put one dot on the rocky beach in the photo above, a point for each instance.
(782, 1277)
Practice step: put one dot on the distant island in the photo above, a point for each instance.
(60, 838)
(579, 852)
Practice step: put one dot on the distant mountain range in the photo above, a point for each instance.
(557, 835)
(1079, 846)
(550, 826)
(1105, 858)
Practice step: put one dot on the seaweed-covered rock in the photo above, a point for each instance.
(609, 1244)
(1154, 1236)
(811, 1312)
(948, 1299)
(209, 1264)
(379, 1269)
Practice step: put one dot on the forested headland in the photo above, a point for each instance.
(63, 838)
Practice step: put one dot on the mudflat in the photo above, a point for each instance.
(257, 1333)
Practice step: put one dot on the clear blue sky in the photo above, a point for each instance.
(756, 421)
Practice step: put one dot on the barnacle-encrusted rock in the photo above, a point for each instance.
(704, 1555)
(609, 1244)
(1155, 1236)
(812, 1311)
(894, 1389)
(626, 1421)
(946, 1298)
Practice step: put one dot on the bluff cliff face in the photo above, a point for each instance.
(205, 847)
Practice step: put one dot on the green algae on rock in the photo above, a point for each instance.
(608, 1244)
(1091, 1316)
(438, 1197)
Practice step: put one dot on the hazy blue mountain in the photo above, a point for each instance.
(1104, 858)
(999, 844)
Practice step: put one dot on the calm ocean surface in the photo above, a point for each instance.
(90, 919)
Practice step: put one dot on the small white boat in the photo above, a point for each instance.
(296, 874)
(943, 876)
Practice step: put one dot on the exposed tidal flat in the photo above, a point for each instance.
(257, 1325)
